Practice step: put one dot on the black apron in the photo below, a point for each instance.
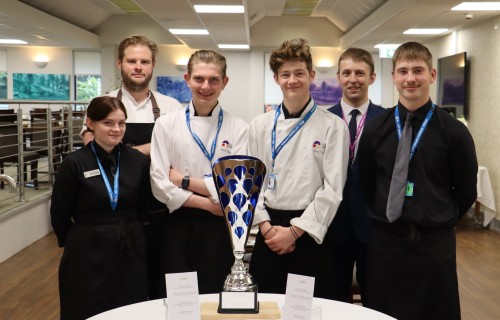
(140, 133)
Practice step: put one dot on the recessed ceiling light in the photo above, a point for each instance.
(387, 45)
(12, 41)
(477, 6)
(234, 46)
(188, 31)
(425, 31)
(218, 9)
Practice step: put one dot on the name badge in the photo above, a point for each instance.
(272, 181)
(409, 189)
(91, 173)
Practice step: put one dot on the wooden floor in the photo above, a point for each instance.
(28, 281)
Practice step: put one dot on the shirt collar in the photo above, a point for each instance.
(419, 114)
(127, 94)
(287, 114)
(346, 108)
(193, 113)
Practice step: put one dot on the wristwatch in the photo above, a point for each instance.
(185, 182)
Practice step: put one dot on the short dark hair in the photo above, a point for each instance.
(100, 107)
(207, 56)
(137, 41)
(412, 51)
(291, 50)
(358, 55)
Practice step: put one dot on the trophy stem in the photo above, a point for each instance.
(239, 279)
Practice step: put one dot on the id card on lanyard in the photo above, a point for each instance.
(275, 150)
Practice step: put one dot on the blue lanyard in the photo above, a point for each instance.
(420, 131)
(210, 155)
(112, 193)
(276, 151)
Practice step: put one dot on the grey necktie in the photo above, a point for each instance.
(400, 174)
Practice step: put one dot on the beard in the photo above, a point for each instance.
(135, 86)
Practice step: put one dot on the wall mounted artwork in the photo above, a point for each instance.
(31, 86)
(3, 85)
(326, 92)
(174, 87)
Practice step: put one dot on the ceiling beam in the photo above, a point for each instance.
(385, 12)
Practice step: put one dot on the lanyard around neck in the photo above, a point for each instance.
(112, 193)
(420, 131)
(361, 124)
(210, 155)
(276, 150)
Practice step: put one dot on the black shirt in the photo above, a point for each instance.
(443, 168)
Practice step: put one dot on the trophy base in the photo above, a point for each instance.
(238, 302)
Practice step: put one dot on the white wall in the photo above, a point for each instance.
(21, 228)
(482, 44)
(20, 60)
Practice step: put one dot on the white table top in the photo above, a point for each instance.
(485, 195)
(156, 310)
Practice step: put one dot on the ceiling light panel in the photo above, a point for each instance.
(425, 31)
(477, 6)
(218, 9)
(189, 31)
(234, 46)
(12, 41)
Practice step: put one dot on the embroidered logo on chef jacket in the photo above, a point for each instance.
(226, 146)
(318, 147)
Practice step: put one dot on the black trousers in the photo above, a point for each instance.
(270, 270)
(346, 255)
(196, 240)
(411, 272)
(154, 231)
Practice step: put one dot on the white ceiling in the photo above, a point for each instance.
(337, 23)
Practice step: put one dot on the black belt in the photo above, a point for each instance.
(410, 230)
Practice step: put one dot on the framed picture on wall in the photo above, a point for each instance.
(31, 86)
(174, 87)
(326, 92)
(3, 85)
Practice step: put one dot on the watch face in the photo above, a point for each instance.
(185, 182)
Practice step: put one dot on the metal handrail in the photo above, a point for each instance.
(22, 107)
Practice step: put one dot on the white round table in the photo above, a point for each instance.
(156, 310)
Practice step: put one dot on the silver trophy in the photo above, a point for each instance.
(238, 180)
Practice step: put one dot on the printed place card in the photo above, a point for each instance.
(183, 297)
(298, 297)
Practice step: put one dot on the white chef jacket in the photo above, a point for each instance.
(173, 146)
(310, 170)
